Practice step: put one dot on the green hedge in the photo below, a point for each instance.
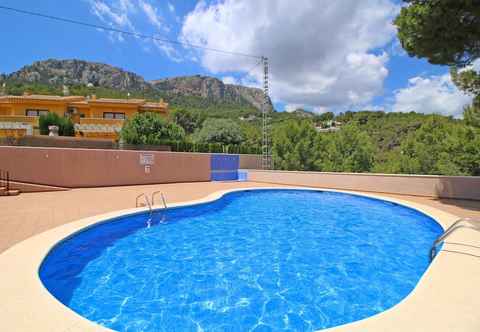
(184, 146)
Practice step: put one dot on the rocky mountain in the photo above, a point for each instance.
(68, 72)
(79, 72)
(210, 88)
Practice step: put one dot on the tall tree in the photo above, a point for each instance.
(347, 150)
(294, 145)
(469, 81)
(445, 32)
(223, 131)
(189, 120)
(439, 147)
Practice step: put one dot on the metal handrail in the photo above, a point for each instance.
(460, 223)
(146, 200)
(164, 203)
(162, 196)
(149, 221)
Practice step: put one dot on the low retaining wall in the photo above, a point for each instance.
(75, 168)
(459, 187)
(250, 161)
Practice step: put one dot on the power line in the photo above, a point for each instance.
(124, 32)
(248, 72)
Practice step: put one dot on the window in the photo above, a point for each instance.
(35, 112)
(114, 115)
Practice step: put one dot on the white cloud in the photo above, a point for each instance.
(434, 94)
(229, 80)
(114, 15)
(125, 14)
(320, 110)
(293, 107)
(321, 53)
(476, 65)
(171, 7)
(153, 17)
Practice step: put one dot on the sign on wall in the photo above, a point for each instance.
(147, 159)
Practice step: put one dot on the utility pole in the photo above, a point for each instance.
(266, 151)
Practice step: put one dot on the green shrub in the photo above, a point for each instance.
(65, 125)
(150, 128)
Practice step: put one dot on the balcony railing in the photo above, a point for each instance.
(33, 120)
(101, 121)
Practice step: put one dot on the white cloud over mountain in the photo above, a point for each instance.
(322, 53)
(431, 95)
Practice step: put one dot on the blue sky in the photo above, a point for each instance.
(324, 56)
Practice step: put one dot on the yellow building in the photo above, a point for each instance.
(93, 117)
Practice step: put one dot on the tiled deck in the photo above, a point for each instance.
(446, 299)
(29, 214)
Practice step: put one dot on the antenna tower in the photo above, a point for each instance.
(266, 151)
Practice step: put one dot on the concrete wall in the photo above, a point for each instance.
(74, 168)
(461, 187)
(250, 161)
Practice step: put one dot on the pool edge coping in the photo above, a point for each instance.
(28, 305)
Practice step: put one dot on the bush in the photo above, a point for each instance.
(150, 128)
(65, 125)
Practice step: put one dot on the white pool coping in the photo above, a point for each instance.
(26, 305)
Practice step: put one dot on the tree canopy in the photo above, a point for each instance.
(445, 32)
(150, 128)
(189, 120)
(223, 131)
(295, 145)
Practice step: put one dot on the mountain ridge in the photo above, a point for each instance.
(81, 72)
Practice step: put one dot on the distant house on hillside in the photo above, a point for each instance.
(251, 117)
(328, 126)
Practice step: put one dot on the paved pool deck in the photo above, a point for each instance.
(446, 299)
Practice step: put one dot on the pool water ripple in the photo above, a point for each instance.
(263, 260)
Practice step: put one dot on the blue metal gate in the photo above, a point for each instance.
(224, 167)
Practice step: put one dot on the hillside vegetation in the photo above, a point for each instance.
(211, 113)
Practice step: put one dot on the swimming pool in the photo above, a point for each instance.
(253, 260)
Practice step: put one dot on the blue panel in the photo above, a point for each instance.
(224, 162)
(225, 176)
(242, 175)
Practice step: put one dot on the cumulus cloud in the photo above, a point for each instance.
(431, 95)
(322, 54)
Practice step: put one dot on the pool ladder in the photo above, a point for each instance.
(460, 223)
(149, 203)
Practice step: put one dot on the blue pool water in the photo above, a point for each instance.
(264, 260)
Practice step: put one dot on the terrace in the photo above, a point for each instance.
(33, 222)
